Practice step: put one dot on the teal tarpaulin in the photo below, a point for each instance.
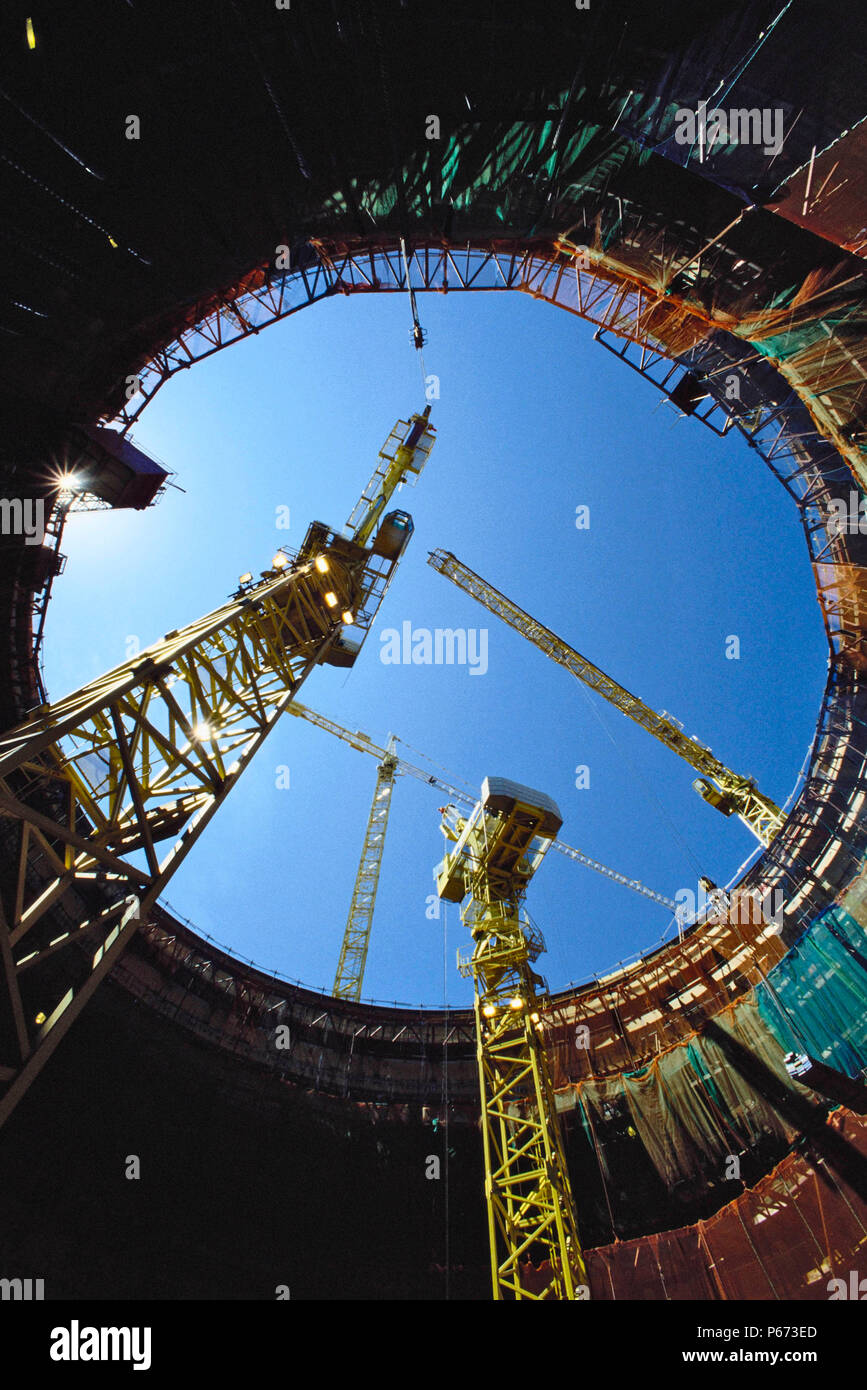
(821, 994)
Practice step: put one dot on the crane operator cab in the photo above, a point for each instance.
(382, 558)
(393, 535)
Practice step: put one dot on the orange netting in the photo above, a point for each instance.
(843, 597)
(787, 1238)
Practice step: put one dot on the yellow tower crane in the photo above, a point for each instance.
(353, 952)
(363, 743)
(95, 785)
(493, 854)
(401, 459)
(723, 789)
(356, 938)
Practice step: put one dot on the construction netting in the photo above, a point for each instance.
(842, 591)
(692, 1107)
(816, 998)
(799, 1228)
(593, 190)
(814, 331)
(703, 1118)
(816, 336)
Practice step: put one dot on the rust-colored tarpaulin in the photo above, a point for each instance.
(803, 1225)
(826, 194)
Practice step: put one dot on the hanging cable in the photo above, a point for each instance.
(648, 787)
(458, 782)
(597, 1151)
(45, 131)
(419, 337)
(444, 1096)
(418, 333)
(272, 95)
(731, 79)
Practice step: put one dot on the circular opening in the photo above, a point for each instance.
(685, 581)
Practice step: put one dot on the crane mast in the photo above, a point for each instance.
(100, 781)
(356, 938)
(493, 854)
(727, 791)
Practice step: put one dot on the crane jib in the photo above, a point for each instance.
(731, 792)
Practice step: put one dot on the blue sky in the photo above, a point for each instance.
(690, 541)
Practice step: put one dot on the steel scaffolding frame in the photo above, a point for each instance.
(326, 269)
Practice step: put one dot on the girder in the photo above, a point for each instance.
(376, 266)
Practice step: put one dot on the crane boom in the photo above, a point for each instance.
(403, 454)
(116, 782)
(723, 789)
(363, 744)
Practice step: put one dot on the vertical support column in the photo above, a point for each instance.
(531, 1215)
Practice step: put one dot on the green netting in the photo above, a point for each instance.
(675, 1117)
(821, 994)
(788, 342)
(727, 1090)
(748, 1115)
(510, 182)
(490, 178)
(693, 1106)
(696, 1104)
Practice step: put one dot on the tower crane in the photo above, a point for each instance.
(356, 938)
(492, 855)
(727, 791)
(363, 743)
(353, 951)
(96, 785)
